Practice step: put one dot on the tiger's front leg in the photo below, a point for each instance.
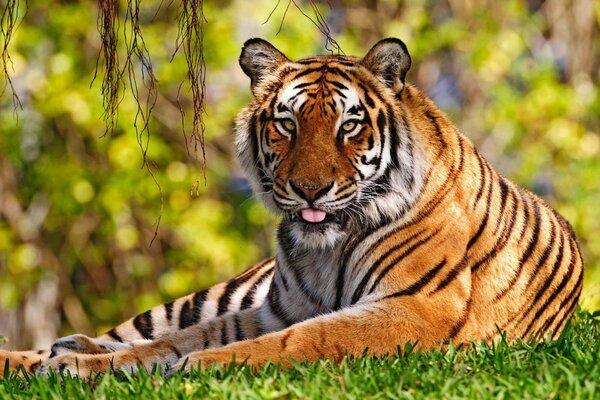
(241, 294)
(378, 328)
(166, 351)
(247, 290)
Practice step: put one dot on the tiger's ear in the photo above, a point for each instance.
(389, 61)
(259, 59)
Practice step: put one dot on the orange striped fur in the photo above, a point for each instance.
(394, 229)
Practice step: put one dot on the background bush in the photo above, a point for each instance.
(78, 211)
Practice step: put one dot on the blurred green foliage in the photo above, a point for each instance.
(78, 212)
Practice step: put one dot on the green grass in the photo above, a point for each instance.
(568, 368)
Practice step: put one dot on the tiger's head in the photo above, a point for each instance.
(325, 141)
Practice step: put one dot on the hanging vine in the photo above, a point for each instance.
(8, 24)
(319, 21)
(108, 23)
(191, 39)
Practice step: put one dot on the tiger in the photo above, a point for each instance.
(393, 230)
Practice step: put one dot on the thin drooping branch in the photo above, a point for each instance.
(8, 25)
(191, 39)
(138, 66)
(330, 43)
(319, 21)
(138, 56)
(108, 26)
(138, 72)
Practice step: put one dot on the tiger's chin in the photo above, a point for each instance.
(318, 232)
(316, 236)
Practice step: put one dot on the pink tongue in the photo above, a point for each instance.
(312, 215)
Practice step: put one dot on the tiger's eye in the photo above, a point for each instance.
(288, 125)
(349, 126)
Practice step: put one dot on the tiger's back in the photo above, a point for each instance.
(525, 265)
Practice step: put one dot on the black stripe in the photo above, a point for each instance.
(442, 192)
(283, 280)
(191, 311)
(573, 295)
(368, 98)
(307, 71)
(143, 324)
(524, 199)
(264, 180)
(345, 196)
(399, 258)
(535, 236)
(175, 350)
(458, 268)
(363, 283)
(206, 339)
(381, 122)
(370, 142)
(351, 245)
(224, 333)
(305, 84)
(248, 299)
(338, 71)
(393, 132)
(502, 240)
(368, 88)
(461, 146)
(485, 218)
(519, 270)
(288, 248)
(239, 332)
(455, 330)
(546, 253)
(338, 85)
(231, 287)
(186, 318)
(308, 61)
(535, 271)
(561, 308)
(440, 136)
(482, 173)
(548, 282)
(418, 285)
(113, 334)
(503, 195)
(303, 286)
(169, 310)
(353, 163)
(280, 107)
(568, 314)
(332, 107)
(346, 63)
(276, 309)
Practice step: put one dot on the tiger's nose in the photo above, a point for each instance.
(310, 191)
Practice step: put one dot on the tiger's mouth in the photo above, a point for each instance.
(314, 216)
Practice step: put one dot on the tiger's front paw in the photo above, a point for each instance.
(84, 365)
(83, 344)
(29, 360)
(146, 357)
